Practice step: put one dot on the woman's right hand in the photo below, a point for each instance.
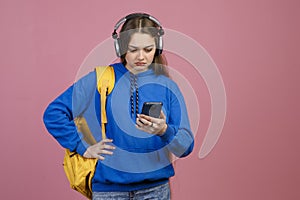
(99, 149)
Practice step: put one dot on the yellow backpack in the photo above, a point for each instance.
(80, 170)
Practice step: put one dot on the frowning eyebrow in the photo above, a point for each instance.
(135, 47)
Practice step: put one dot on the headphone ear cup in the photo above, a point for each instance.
(117, 47)
(159, 48)
(158, 52)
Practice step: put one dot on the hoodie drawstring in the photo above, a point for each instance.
(134, 101)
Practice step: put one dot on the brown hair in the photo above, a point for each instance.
(142, 24)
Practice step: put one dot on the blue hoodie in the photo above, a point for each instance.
(140, 160)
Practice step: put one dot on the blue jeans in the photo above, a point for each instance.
(161, 192)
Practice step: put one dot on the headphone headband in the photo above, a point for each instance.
(133, 15)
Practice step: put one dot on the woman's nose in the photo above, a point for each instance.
(140, 55)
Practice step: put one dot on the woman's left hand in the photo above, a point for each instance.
(156, 126)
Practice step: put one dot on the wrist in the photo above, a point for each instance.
(87, 153)
(163, 130)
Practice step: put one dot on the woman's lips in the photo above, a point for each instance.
(139, 63)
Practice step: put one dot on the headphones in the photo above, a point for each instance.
(116, 38)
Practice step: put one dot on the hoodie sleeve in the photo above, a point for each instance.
(60, 113)
(178, 136)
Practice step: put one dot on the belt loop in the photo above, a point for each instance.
(131, 195)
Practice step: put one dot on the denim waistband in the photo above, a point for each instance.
(160, 192)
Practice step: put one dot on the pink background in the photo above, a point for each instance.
(255, 45)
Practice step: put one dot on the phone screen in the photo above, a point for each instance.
(152, 109)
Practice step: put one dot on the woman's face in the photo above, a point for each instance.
(140, 54)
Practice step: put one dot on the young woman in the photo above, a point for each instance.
(134, 161)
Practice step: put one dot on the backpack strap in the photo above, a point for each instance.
(83, 127)
(105, 84)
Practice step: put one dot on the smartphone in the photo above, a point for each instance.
(152, 109)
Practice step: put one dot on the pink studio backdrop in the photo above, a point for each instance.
(255, 45)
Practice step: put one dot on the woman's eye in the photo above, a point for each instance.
(148, 50)
(132, 50)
